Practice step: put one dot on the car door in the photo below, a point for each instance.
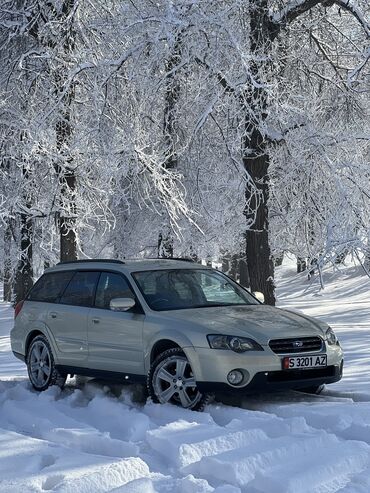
(115, 338)
(42, 301)
(68, 318)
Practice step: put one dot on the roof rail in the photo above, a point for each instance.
(184, 259)
(107, 260)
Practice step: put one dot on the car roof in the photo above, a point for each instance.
(127, 265)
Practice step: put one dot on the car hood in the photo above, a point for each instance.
(260, 322)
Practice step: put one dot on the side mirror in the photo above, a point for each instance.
(121, 304)
(260, 296)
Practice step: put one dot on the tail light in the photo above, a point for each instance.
(18, 308)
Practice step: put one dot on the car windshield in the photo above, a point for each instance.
(176, 289)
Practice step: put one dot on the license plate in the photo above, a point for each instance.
(304, 362)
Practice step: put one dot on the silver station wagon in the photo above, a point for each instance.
(186, 330)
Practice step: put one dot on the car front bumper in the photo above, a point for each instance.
(262, 369)
(278, 381)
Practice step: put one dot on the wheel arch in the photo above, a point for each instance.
(163, 341)
(44, 331)
(160, 346)
(30, 337)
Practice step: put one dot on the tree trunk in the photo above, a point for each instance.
(172, 92)
(236, 267)
(193, 255)
(62, 41)
(244, 279)
(259, 260)
(367, 260)
(67, 225)
(234, 272)
(367, 253)
(301, 264)
(225, 263)
(24, 277)
(165, 244)
(7, 263)
(68, 243)
(64, 130)
(67, 181)
(260, 264)
(278, 259)
(256, 159)
(341, 257)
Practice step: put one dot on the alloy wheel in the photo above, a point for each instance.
(174, 382)
(40, 364)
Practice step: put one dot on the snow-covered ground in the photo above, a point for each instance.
(92, 437)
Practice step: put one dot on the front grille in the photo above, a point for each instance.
(291, 375)
(296, 345)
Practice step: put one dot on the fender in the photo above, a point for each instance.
(172, 335)
(44, 329)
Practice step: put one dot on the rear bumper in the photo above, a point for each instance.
(275, 381)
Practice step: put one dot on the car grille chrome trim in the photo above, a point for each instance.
(296, 345)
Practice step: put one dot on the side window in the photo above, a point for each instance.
(111, 286)
(50, 286)
(80, 291)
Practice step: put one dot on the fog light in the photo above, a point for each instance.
(235, 377)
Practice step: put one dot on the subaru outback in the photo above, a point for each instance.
(185, 330)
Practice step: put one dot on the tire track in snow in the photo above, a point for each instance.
(95, 439)
(90, 440)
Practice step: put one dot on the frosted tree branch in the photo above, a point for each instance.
(295, 8)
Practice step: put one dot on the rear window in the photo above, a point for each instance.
(50, 286)
(80, 291)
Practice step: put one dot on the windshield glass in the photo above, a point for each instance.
(189, 288)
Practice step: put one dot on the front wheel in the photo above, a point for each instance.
(40, 365)
(171, 380)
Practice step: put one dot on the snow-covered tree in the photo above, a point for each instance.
(210, 129)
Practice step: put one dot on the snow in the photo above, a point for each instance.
(279, 16)
(96, 437)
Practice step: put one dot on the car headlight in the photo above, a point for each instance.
(235, 343)
(331, 337)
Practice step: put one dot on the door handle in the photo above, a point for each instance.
(53, 315)
(96, 320)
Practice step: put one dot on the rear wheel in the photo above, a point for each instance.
(171, 380)
(40, 365)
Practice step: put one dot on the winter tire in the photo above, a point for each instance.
(171, 380)
(40, 365)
